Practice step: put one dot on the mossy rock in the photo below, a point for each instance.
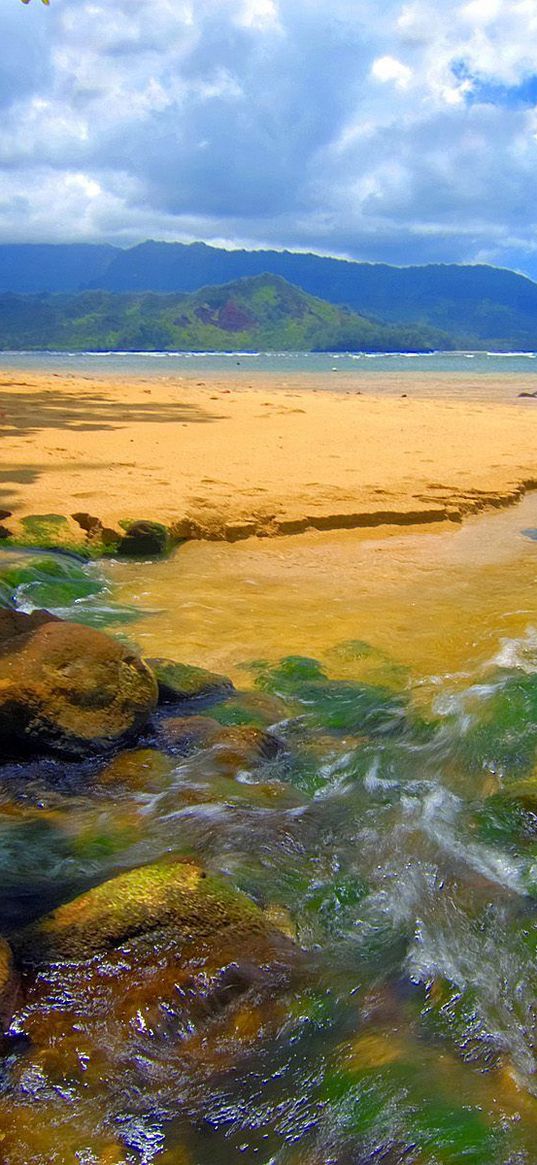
(173, 896)
(49, 531)
(144, 539)
(258, 709)
(139, 769)
(67, 687)
(182, 681)
(523, 793)
(507, 818)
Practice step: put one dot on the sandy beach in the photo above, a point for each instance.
(214, 460)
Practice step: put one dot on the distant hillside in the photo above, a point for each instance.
(479, 306)
(264, 312)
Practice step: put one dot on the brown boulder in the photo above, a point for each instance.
(68, 687)
(13, 623)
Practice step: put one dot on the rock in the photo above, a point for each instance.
(182, 681)
(8, 984)
(67, 687)
(177, 897)
(140, 769)
(100, 538)
(239, 745)
(15, 623)
(257, 708)
(144, 539)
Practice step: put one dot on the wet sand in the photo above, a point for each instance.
(277, 457)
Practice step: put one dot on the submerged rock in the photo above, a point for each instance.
(139, 769)
(68, 687)
(8, 984)
(182, 681)
(242, 744)
(177, 897)
(259, 709)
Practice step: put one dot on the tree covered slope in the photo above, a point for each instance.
(264, 312)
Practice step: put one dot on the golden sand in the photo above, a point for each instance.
(274, 458)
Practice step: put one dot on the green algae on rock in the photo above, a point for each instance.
(86, 536)
(258, 709)
(174, 896)
(70, 688)
(503, 734)
(144, 539)
(183, 681)
(138, 770)
(46, 582)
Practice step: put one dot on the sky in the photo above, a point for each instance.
(372, 129)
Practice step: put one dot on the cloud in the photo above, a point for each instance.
(406, 132)
(389, 69)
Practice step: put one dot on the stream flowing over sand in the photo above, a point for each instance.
(383, 819)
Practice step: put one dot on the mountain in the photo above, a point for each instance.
(479, 306)
(34, 267)
(263, 312)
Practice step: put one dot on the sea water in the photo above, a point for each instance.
(244, 365)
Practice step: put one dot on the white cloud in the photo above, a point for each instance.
(390, 69)
(388, 132)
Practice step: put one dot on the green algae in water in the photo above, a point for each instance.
(338, 705)
(56, 583)
(503, 734)
(401, 1101)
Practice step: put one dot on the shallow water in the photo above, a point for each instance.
(396, 836)
(486, 371)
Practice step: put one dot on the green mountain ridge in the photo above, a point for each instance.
(263, 312)
(477, 305)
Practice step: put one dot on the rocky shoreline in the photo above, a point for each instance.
(73, 697)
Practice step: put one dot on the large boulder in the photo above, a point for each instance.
(67, 687)
(176, 897)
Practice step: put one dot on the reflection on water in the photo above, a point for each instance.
(392, 834)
